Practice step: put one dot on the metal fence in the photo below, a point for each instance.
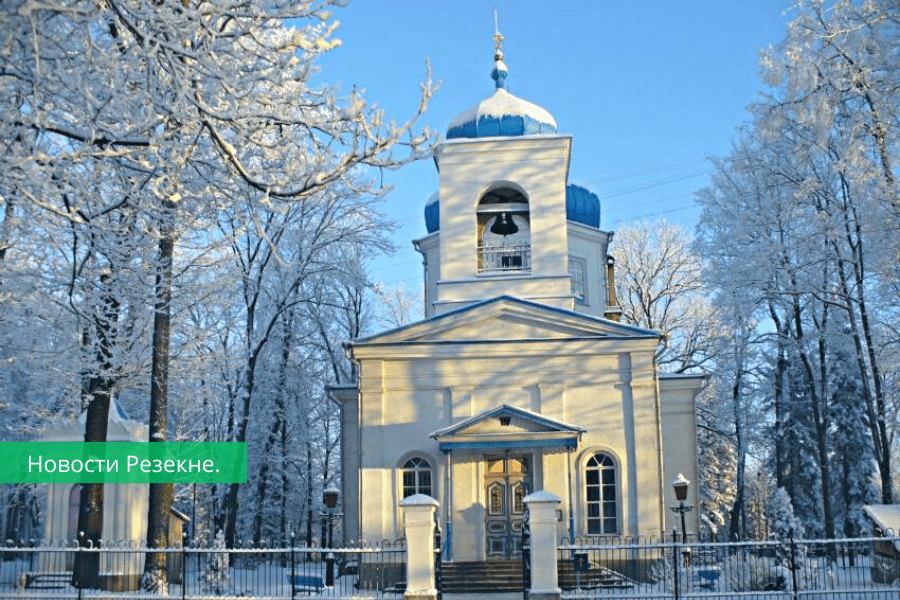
(844, 569)
(45, 571)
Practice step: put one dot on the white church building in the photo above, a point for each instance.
(521, 376)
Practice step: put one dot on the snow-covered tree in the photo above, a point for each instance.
(718, 463)
(836, 81)
(800, 221)
(216, 575)
(855, 471)
(659, 287)
(782, 523)
(133, 129)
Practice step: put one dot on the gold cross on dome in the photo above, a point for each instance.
(498, 38)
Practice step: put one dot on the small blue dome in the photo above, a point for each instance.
(582, 206)
(501, 114)
(433, 213)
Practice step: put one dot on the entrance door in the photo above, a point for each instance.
(507, 482)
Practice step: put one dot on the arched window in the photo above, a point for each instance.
(602, 495)
(416, 477)
(504, 236)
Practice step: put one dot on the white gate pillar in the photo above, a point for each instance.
(418, 520)
(542, 523)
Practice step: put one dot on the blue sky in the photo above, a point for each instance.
(647, 89)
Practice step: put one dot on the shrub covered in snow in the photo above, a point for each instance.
(215, 575)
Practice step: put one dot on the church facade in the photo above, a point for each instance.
(521, 376)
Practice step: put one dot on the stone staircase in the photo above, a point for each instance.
(499, 576)
(48, 581)
(595, 577)
(481, 577)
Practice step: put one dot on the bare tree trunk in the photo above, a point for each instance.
(155, 576)
(778, 400)
(736, 517)
(309, 493)
(285, 490)
(98, 391)
(86, 569)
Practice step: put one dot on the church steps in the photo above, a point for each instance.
(481, 577)
(594, 578)
(506, 576)
(48, 581)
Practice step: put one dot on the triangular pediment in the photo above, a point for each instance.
(506, 319)
(509, 426)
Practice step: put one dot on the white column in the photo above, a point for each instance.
(418, 520)
(542, 522)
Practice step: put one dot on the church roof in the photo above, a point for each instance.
(501, 114)
(507, 426)
(433, 213)
(582, 206)
(504, 319)
(120, 427)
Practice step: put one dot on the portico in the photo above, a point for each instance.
(511, 449)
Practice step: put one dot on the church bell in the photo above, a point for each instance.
(503, 225)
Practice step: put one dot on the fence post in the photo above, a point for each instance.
(542, 521)
(526, 555)
(675, 565)
(437, 556)
(77, 557)
(418, 512)
(183, 568)
(293, 569)
(183, 571)
(794, 566)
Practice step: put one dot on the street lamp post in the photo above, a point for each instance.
(330, 498)
(681, 486)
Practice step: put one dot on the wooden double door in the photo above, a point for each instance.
(507, 482)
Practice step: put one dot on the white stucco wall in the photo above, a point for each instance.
(536, 165)
(679, 415)
(592, 246)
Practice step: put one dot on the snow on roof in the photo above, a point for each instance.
(502, 104)
(501, 114)
(885, 516)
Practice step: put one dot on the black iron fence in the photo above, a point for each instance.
(844, 569)
(45, 571)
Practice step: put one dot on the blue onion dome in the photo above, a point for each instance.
(582, 206)
(433, 213)
(501, 114)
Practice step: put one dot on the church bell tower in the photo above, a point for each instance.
(505, 220)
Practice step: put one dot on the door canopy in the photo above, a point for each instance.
(508, 427)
